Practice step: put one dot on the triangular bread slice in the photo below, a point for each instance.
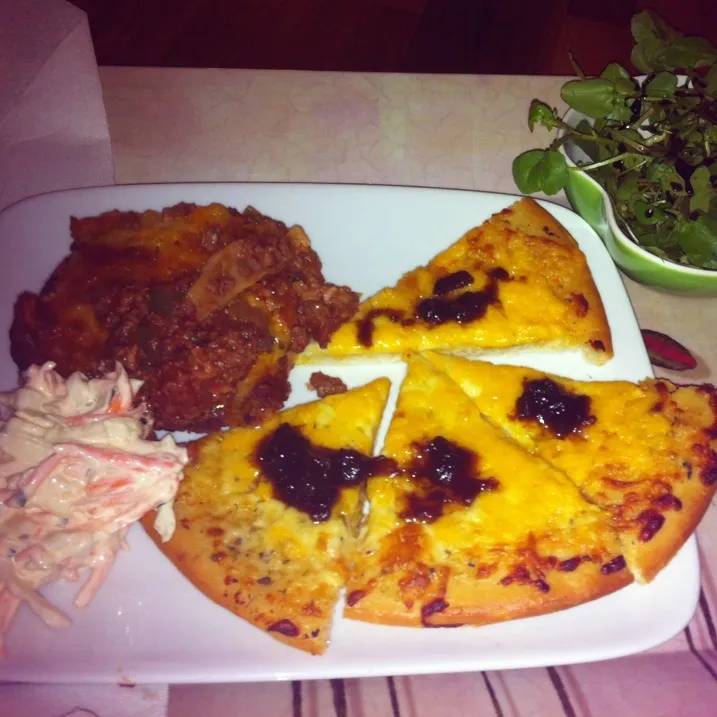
(473, 529)
(275, 565)
(517, 280)
(645, 452)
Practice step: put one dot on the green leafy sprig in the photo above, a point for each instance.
(651, 144)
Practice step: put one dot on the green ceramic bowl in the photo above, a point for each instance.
(592, 203)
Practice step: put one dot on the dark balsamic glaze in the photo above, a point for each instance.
(308, 477)
(452, 282)
(635, 111)
(435, 310)
(685, 170)
(366, 325)
(561, 412)
(464, 308)
(444, 473)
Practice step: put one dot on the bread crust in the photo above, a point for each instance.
(692, 411)
(648, 558)
(191, 549)
(528, 217)
(471, 600)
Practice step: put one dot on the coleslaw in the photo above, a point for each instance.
(76, 469)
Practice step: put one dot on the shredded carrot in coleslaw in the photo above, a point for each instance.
(75, 471)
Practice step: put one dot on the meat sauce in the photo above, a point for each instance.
(326, 385)
(207, 305)
(563, 413)
(441, 308)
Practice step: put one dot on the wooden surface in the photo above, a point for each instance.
(432, 36)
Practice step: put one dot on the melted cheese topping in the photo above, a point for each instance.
(630, 440)
(534, 506)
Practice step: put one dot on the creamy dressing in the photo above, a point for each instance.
(75, 471)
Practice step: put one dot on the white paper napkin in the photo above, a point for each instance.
(53, 127)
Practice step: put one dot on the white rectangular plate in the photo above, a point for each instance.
(149, 624)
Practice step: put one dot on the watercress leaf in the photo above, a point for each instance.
(698, 240)
(615, 71)
(688, 52)
(628, 88)
(599, 125)
(594, 98)
(711, 81)
(711, 138)
(603, 152)
(621, 112)
(646, 236)
(702, 188)
(659, 115)
(542, 114)
(647, 214)
(651, 240)
(647, 55)
(658, 171)
(620, 77)
(628, 190)
(648, 25)
(654, 249)
(663, 175)
(539, 170)
(663, 84)
(627, 134)
(632, 161)
(666, 237)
